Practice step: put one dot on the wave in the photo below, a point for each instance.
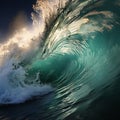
(72, 46)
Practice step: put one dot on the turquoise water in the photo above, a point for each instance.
(74, 74)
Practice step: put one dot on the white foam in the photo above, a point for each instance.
(13, 88)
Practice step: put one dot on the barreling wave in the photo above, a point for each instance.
(73, 45)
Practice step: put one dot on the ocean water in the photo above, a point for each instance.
(66, 65)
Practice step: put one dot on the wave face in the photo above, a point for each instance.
(71, 49)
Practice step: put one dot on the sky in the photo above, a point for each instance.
(9, 9)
